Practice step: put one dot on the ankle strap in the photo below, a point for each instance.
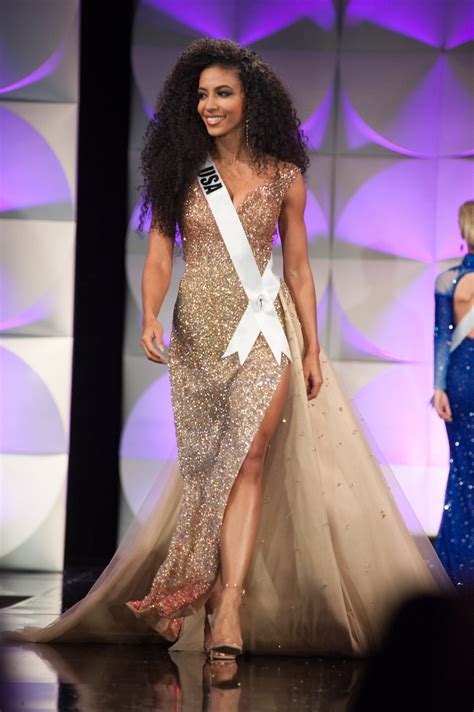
(234, 585)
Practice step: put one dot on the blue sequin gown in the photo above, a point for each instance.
(454, 373)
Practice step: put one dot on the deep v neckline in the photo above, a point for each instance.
(250, 192)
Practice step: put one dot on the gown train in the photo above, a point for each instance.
(334, 556)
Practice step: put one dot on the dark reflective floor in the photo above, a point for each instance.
(90, 678)
(126, 677)
(425, 665)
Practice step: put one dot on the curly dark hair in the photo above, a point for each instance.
(176, 139)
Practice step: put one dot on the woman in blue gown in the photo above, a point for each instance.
(454, 402)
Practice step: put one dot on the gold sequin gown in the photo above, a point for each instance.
(333, 555)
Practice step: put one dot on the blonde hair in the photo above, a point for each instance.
(466, 220)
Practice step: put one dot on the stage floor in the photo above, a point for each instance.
(425, 666)
(145, 677)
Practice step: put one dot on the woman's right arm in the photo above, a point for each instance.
(156, 279)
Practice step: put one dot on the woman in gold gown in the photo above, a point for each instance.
(276, 489)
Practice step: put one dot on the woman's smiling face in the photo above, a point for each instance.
(221, 100)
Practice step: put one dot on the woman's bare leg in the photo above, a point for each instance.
(241, 521)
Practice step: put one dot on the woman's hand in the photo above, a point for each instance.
(313, 376)
(441, 403)
(152, 340)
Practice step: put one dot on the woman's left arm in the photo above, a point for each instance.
(299, 278)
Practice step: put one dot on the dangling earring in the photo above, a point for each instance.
(462, 246)
(247, 132)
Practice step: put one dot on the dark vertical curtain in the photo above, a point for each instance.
(93, 477)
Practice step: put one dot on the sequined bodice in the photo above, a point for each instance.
(258, 212)
(211, 299)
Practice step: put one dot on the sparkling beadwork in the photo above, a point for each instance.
(218, 403)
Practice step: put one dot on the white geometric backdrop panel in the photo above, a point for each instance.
(38, 125)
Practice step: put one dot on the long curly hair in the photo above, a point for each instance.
(177, 141)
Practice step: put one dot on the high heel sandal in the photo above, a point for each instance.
(221, 650)
(207, 630)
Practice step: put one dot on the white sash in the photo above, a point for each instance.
(261, 290)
